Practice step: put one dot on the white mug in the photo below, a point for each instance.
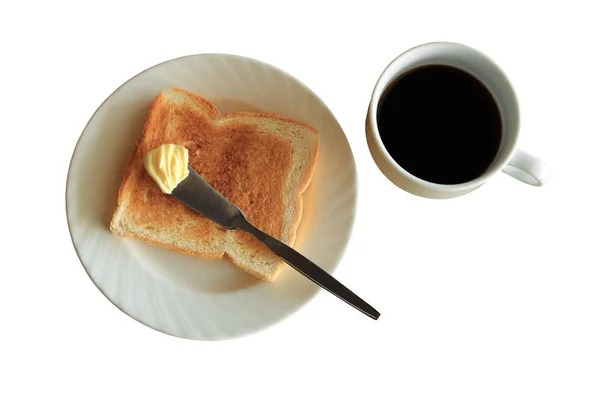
(509, 159)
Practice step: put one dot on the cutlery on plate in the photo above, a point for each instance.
(201, 197)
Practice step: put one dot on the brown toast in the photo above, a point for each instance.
(261, 162)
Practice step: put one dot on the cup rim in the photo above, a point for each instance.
(381, 86)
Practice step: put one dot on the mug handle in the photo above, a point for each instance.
(527, 168)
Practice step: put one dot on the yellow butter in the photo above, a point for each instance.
(167, 165)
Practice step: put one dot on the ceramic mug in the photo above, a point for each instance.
(509, 159)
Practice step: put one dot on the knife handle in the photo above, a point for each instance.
(310, 270)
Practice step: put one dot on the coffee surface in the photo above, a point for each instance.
(441, 124)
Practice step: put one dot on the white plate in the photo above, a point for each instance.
(181, 295)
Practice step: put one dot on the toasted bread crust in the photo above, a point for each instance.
(261, 162)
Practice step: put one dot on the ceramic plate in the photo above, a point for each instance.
(182, 295)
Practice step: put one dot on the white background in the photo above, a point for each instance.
(495, 295)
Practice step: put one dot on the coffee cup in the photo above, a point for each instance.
(433, 132)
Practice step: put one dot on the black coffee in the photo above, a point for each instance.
(440, 124)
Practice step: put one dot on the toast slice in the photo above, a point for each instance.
(260, 162)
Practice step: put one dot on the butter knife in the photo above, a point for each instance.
(200, 196)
